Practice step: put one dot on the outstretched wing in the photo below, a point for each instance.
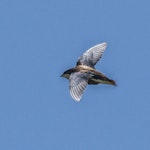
(92, 55)
(78, 83)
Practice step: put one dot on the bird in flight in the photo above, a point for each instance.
(85, 73)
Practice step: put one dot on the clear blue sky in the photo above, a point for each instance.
(39, 39)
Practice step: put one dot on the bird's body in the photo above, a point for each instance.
(85, 73)
(95, 77)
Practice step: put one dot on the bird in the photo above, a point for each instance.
(84, 72)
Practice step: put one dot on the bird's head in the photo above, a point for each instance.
(67, 73)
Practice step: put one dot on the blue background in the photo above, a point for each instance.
(39, 40)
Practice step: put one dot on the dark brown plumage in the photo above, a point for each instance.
(85, 73)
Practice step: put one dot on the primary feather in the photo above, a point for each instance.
(92, 55)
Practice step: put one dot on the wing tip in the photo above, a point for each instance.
(75, 97)
(104, 44)
(77, 100)
(101, 45)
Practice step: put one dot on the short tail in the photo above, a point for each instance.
(100, 78)
(112, 82)
(109, 81)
